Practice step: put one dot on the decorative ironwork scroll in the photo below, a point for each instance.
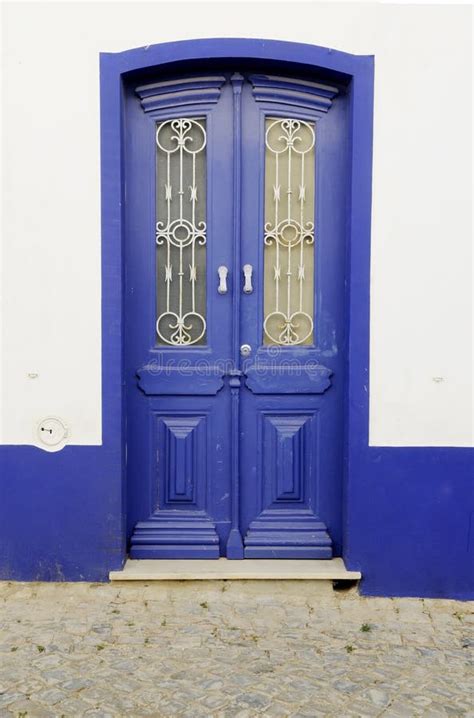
(181, 231)
(289, 231)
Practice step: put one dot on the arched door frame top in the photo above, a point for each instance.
(358, 73)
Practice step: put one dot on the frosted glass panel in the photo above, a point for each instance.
(181, 232)
(289, 231)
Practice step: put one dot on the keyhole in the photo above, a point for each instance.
(43, 429)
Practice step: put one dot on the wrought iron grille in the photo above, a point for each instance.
(289, 231)
(181, 231)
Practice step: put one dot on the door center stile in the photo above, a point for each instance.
(235, 546)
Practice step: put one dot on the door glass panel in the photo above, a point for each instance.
(289, 231)
(181, 232)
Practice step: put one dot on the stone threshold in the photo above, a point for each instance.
(223, 569)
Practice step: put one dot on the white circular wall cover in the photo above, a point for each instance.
(52, 433)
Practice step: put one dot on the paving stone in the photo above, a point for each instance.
(76, 684)
(230, 650)
(50, 696)
(277, 710)
(72, 707)
(399, 709)
(9, 698)
(379, 697)
(30, 709)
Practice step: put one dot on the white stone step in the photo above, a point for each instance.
(253, 569)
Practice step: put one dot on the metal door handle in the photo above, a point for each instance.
(248, 289)
(222, 272)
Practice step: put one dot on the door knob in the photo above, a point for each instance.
(245, 350)
(222, 272)
(248, 289)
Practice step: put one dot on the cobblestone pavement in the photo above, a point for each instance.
(230, 649)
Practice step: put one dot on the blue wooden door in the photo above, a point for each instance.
(234, 294)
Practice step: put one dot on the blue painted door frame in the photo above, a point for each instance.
(356, 73)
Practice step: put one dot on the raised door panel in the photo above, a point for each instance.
(285, 467)
(280, 465)
(180, 458)
(187, 480)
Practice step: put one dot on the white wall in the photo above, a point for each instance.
(421, 350)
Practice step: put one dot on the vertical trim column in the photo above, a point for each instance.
(235, 548)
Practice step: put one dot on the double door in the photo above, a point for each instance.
(234, 310)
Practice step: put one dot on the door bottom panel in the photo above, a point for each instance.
(175, 535)
(274, 536)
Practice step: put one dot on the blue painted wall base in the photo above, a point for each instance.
(410, 525)
(60, 514)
